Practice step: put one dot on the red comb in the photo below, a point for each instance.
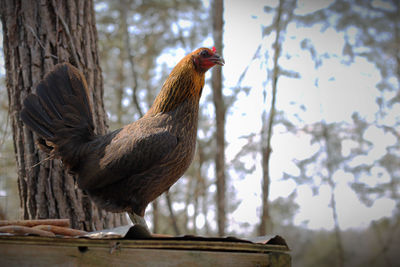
(213, 49)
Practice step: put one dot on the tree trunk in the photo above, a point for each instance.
(284, 15)
(156, 216)
(127, 46)
(329, 163)
(172, 216)
(37, 35)
(266, 130)
(119, 90)
(218, 24)
(189, 196)
(203, 185)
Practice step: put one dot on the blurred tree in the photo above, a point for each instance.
(370, 30)
(220, 110)
(33, 44)
(377, 38)
(283, 16)
(260, 144)
(327, 165)
(332, 162)
(329, 137)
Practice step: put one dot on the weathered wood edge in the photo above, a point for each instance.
(146, 244)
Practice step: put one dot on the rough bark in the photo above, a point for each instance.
(37, 35)
(219, 105)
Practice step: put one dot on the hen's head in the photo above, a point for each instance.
(205, 58)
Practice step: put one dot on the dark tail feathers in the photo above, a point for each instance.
(60, 113)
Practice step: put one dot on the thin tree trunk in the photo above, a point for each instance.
(197, 188)
(37, 35)
(120, 88)
(266, 130)
(188, 198)
(218, 24)
(329, 160)
(156, 217)
(287, 8)
(172, 214)
(127, 47)
(202, 185)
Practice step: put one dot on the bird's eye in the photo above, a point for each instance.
(204, 53)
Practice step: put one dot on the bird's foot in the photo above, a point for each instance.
(136, 219)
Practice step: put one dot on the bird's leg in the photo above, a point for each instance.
(136, 219)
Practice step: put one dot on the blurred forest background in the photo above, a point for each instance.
(311, 102)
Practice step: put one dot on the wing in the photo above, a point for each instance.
(133, 150)
(135, 154)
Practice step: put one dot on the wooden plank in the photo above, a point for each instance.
(22, 255)
(150, 244)
(41, 251)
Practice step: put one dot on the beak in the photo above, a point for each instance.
(216, 59)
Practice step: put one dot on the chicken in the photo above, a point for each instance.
(128, 168)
